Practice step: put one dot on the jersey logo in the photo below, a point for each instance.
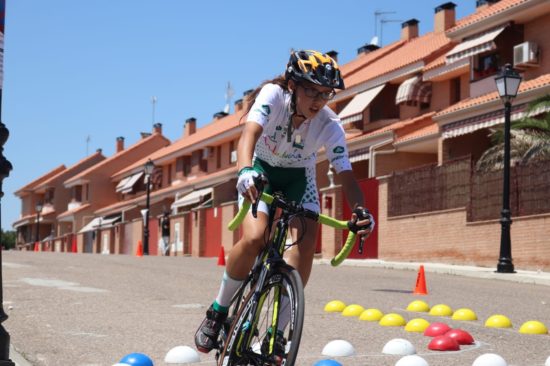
(266, 111)
(338, 150)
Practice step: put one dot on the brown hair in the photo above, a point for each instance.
(251, 98)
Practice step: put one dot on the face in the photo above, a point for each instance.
(310, 98)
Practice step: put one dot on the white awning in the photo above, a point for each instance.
(360, 157)
(474, 46)
(191, 198)
(353, 110)
(407, 89)
(100, 222)
(127, 184)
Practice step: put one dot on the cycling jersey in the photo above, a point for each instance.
(271, 110)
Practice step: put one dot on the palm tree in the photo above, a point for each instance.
(529, 138)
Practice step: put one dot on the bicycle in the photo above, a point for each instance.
(250, 333)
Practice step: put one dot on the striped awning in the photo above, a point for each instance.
(473, 46)
(192, 198)
(100, 223)
(353, 111)
(126, 185)
(407, 89)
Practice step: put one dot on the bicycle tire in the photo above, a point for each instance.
(234, 353)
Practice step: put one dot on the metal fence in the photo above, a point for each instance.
(455, 184)
(430, 188)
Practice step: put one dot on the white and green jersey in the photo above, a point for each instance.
(271, 110)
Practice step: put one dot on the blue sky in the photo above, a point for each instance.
(75, 68)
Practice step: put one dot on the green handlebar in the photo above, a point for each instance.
(323, 219)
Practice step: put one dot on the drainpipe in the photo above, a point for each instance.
(373, 153)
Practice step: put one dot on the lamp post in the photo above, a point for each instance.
(148, 169)
(507, 85)
(39, 206)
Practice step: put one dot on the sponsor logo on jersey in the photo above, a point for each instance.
(338, 150)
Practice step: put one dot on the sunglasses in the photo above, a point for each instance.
(314, 93)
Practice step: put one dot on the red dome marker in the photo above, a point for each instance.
(443, 343)
(436, 329)
(461, 336)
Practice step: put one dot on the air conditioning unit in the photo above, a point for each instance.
(234, 156)
(526, 54)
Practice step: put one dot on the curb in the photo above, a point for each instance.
(530, 277)
(17, 358)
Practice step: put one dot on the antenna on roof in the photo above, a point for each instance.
(377, 13)
(153, 102)
(229, 92)
(384, 21)
(88, 139)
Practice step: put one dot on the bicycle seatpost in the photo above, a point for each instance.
(259, 182)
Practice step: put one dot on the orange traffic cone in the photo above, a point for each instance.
(36, 246)
(74, 248)
(221, 257)
(420, 288)
(139, 250)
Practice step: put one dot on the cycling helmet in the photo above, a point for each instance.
(315, 67)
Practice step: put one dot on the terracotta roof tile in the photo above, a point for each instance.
(367, 58)
(424, 48)
(210, 130)
(39, 180)
(117, 156)
(405, 126)
(68, 170)
(440, 61)
(430, 129)
(541, 81)
(74, 210)
(486, 12)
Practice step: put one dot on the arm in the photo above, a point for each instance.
(245, 151)
(355, 199)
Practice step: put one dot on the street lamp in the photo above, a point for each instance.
(39, 206)
(507, 85)
(148, 169)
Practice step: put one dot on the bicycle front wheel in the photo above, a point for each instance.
(276, 315)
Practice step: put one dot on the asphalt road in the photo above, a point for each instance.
(90, 309)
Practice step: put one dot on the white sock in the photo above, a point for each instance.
(228, 288)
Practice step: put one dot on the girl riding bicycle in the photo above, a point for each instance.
(287, 124)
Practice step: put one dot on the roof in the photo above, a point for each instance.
(486, 12)
(30, 186)
(400, 128)
(73, 211)
(424, 48)
(541, 81)
(68, 170)
(208, 131)
(119, 154)
(439, 61)
(364, 59)
(431, 128)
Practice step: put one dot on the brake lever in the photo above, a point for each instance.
(361, 243)
(259, 182)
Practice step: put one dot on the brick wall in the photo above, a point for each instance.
(445, 236)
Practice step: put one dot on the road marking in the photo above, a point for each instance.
(60, 284)
(188, 306)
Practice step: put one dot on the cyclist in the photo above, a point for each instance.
(287, 124)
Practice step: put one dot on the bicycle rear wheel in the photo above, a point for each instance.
(254, 323)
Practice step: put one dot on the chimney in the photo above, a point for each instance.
(219, 115)
(99, 151)
(145, 134)
(190, 126)
(367, 48)
(119, 144)
(480, 4)
(334, 55)
(409, 30)
(238, 105)
(444, 17)
(157, 128)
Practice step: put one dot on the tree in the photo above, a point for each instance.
(529, 138)
(8, 239)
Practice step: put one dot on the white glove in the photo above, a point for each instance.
(246, 180)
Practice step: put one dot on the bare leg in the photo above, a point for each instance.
(301, 256)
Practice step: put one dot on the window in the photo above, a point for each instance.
(485, 65)
(76, 193)
(218, 157)
(455, 91)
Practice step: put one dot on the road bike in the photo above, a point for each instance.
(272, 291)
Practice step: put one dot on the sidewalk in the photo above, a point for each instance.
(531, 277)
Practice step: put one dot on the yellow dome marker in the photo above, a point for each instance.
(335, 306)
(464, 314)
(419, 306)
(371, 315)
(498, 321)
(417, 325)
(353, 310)
(392, 320)
(533, 327)
(441, 310)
